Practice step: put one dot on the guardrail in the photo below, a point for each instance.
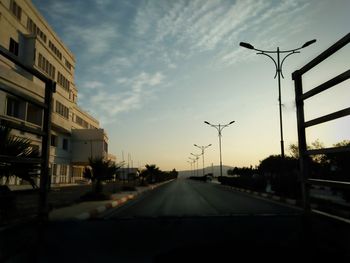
(300, 97)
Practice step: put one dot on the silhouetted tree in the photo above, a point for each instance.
(283, 174)
(99, 170)
(245, 177)
(294, 150)
(152, 174)
(15, 147)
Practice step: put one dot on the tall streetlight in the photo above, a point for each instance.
(197, 158)
(279, 72)
(194, 163)
(220, 127)
(190, 165)
(202, 148)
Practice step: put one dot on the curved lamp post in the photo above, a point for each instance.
(219, 128)
(279, 72)
(202, 148)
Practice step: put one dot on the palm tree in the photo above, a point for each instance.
(17, 147)
(100, 170)
(152, 172)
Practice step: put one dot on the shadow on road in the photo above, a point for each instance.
(175, 239)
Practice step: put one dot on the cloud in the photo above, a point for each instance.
(93, 85)
(180, 30)
(102, 3)
(95, 39)
(117, 42)
(109, 103)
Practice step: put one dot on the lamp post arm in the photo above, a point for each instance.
(274, 61)
(274, 51)
(224, 126)
(217, 128)
(291, 53)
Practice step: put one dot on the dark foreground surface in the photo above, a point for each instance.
(186, 221)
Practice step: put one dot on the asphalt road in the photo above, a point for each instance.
(188, 198)
(188, 221)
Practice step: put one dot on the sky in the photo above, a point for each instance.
(153, 71)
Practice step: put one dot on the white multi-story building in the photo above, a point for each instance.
(75, 134)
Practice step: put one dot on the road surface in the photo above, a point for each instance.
(189, 221)
(187, 198)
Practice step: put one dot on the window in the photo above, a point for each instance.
(53, 172)
(62, 110)
(55, 50)
(53, 140)
(63, 173)
(64, 83)
(82, 122)
(13, 107)
(13, 47)
(54, 169)
(68, 65)
(77, 172)
(46, 66)
(65, 144)
(34, 114)
(63, 169)
(16, 9)
(34, 29)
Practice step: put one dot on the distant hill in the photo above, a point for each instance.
(209, 169)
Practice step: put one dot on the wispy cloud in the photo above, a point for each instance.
(116, 40)
(96, 39)
(193, 27)
(108, 103)
(93, 85)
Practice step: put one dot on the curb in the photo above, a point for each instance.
(114, 203)
(269, 196)
(100, 209)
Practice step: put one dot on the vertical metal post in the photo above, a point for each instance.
(303, 157)
(220, 150)
(203, 160)
(279, 69)
(43, 213)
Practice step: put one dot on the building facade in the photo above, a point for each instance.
(25, 33)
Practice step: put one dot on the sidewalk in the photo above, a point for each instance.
(29, 187)
(90, 209)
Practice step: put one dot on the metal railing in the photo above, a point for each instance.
(44, 132)
(300, 97)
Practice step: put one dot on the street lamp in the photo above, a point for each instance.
(279, 72)
(220, 127)
(190, 165)
(197, 158)
(202, 148)
(193, 161)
